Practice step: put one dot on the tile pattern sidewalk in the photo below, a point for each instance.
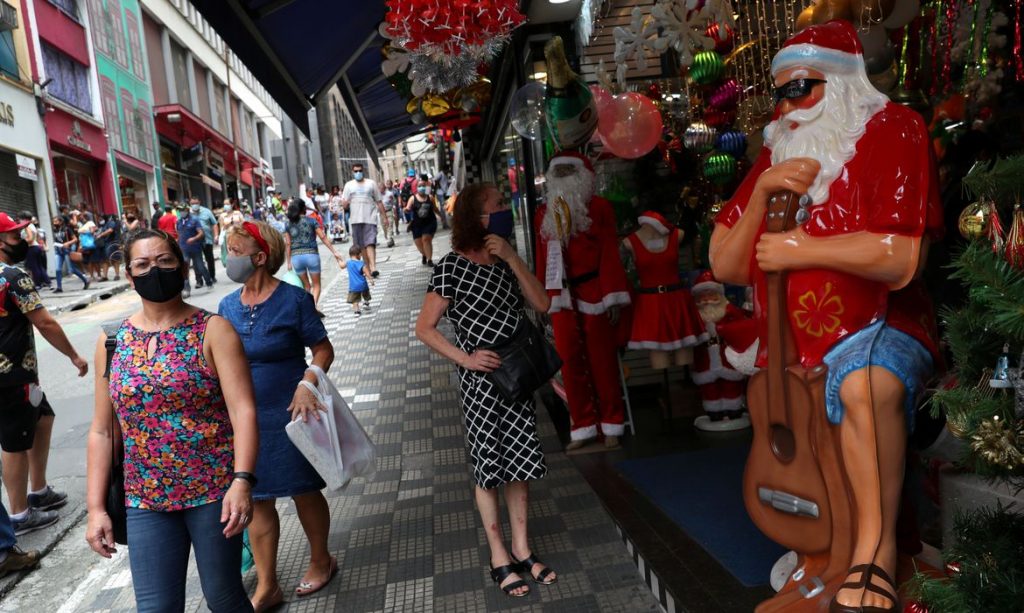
(410, 540)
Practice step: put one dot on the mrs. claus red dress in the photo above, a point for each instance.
(665, 320)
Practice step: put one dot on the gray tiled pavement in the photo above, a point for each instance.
(410, 539)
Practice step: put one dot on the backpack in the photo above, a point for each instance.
(406, 192)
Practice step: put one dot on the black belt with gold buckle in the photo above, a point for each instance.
(662, 289)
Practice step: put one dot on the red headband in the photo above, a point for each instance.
(254, 232)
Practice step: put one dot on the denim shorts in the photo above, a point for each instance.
(878, 345)
(306, 262)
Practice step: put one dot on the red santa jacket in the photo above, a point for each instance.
(591, 264)
(709, 361)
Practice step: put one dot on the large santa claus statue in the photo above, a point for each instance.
(721, 385)
(859, 169)
(578, 262)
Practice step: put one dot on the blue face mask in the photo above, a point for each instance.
(421, 190)
(501, 223)
(359, 175)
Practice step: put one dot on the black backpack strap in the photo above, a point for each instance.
(110, 329)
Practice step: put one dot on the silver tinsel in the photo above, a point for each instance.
(441, 75)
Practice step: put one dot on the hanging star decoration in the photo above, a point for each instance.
(679, 25)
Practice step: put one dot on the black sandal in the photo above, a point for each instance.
(501, 573)
(864, 583)
(527, 564)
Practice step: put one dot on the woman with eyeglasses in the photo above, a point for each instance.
(180, 388)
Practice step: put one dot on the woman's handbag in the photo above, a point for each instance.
(115, 483)
(528, 361)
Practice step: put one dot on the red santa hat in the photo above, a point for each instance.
(657, 221)
(574, 158)
(706, 282)
(831, 47)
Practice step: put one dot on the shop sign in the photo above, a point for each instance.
(215, 161)
(6, 114)
(26, 167)
(75, 138)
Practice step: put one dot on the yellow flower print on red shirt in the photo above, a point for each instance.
(819, 315)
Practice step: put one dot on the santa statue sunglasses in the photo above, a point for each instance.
(797, 88)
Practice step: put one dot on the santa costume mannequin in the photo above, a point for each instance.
(578, 262)
(854, 308)
(721, 386)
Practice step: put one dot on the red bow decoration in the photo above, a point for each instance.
(451, 27)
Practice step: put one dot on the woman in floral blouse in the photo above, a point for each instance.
(179, 384)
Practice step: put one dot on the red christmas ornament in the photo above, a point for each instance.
(653, 92)
(717, 118)
(952, 568)
(452, 27)
(724, 39)
(1015, 240)
(997, 236)
(914, 606)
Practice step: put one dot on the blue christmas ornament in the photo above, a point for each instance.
(732, 142)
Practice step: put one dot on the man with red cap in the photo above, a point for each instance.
(578, 262)
(721, 384)
(869, 205)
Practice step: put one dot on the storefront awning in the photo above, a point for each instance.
(339, 44)
(182, 126)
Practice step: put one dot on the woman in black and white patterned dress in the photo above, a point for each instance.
(480, 288)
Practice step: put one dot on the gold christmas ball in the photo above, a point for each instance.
(974, 220)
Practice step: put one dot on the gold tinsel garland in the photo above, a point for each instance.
(999, 442)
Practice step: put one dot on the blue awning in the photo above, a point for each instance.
(299, 49)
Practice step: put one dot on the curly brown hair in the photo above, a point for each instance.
(468, 233)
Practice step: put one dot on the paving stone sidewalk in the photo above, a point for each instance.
(410, 539)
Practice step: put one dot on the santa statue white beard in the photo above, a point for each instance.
(828, 131)
(576, 189)
(713, 312)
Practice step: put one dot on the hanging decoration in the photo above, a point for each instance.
(699, 137)
(527, 110)
(726, 96)
(635, 128)
(438, 28)
(723, 38)
(1015, 240)
(998, 443)
(973, 220)
(569, 106)
(732, 142)
(707, 68)
(720, 167)
(439, 76)
(995, 232)
(1018, 47)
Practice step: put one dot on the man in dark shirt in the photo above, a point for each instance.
(158, 212)
(26, 420)
(190, 238)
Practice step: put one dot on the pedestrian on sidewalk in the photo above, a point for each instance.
(88, 244)
(363, 199)
(35, 261)
(12, 557)
(277, 322)
(211, 234)
(186, 417)
(65, 241)
(26, 421)
(110, 238)
(229, 216)
(423, 207)
(358, 286)
(479, 287)
(300, 250)
(190, 238)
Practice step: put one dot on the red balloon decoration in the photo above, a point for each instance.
(454, 26)
(632, 128)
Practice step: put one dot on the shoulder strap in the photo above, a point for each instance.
(110, 328)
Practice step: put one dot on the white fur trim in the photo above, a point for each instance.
(723, 404)
(582, 434)
(689, 341)
(654, 223)
(814, 56)
(716, 370)
(613, 429)
(565, 160)
(708, 286)
(616, 299)
(563, 302)
(744, 361)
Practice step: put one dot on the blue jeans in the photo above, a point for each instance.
(65, 256)
(7, 539)
(158, 556)
(195, 260)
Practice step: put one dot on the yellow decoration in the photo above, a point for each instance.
(819, 316)
(999, 443)
(974, 219)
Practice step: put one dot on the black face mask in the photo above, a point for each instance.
(159, 284)
(16, 252)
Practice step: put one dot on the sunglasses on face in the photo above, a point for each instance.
(797, 88)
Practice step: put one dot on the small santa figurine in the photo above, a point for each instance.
(731, 344)
(578, 262)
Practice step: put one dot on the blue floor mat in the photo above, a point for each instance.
(702, 493)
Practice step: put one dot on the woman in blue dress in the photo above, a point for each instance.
(277, 322)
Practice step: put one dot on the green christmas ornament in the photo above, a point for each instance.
(707, 68)
(720, 167)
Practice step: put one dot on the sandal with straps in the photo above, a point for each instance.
(864, 583)
(501, 573)
(527, 564)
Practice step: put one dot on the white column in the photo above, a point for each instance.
(190, 66)
(172, 85)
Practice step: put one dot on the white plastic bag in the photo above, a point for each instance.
(336, 444)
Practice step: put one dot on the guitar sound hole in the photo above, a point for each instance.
(783, 443)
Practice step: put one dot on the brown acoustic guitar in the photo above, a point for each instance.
(786, 484)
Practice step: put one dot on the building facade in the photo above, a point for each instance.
(126, 101)
(296, 160)
(25, 175)
(340, 144)
(213, 120)
(62, 63)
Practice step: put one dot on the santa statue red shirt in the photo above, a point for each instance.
(721, 385)
(578, 262)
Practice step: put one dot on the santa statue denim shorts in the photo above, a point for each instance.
(877, 345)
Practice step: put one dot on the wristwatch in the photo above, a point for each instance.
(244, 476)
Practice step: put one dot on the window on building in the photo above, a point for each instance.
(70, 79)
(69, 7)
(8, 59)
(145, 116)
(97, 17)
(135, 43)
(277, 161)
(180, 62)
(115, 30)
(128, 106)
(108, 98)
(220, 123)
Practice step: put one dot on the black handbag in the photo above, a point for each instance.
(115, 483)
(528, 361)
